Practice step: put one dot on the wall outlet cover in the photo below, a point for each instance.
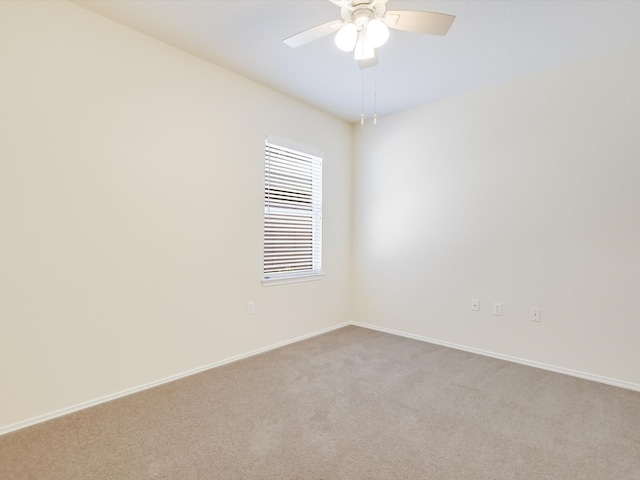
(535, 315)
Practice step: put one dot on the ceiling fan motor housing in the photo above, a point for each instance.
(362, 11)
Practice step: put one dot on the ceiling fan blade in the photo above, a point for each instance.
(313, 34)
(369, 62)
(342, 4)
(419, 22)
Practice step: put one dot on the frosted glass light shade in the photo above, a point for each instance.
(346, 37)
(364, 50)
(377, 33)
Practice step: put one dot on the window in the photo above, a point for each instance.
(292, 214)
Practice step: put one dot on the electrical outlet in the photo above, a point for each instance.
(475, 305)
(497, 309)
(251, 308)
(535, 315)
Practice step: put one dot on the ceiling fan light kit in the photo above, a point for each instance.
(363, 30)
(362, 37)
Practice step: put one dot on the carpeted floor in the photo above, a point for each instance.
(350, 404)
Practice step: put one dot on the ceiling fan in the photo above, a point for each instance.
(365, 26)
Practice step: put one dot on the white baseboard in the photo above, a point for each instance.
(574, 373)
(107, 398)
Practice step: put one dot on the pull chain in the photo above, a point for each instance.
(375, 97)
(361, 97)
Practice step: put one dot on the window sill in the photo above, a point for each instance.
(281, 280)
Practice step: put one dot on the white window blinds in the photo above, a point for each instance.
(292, 213)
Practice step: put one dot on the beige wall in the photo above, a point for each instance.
(525, 194)
(130, 210)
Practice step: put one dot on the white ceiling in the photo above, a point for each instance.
(491, 41)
